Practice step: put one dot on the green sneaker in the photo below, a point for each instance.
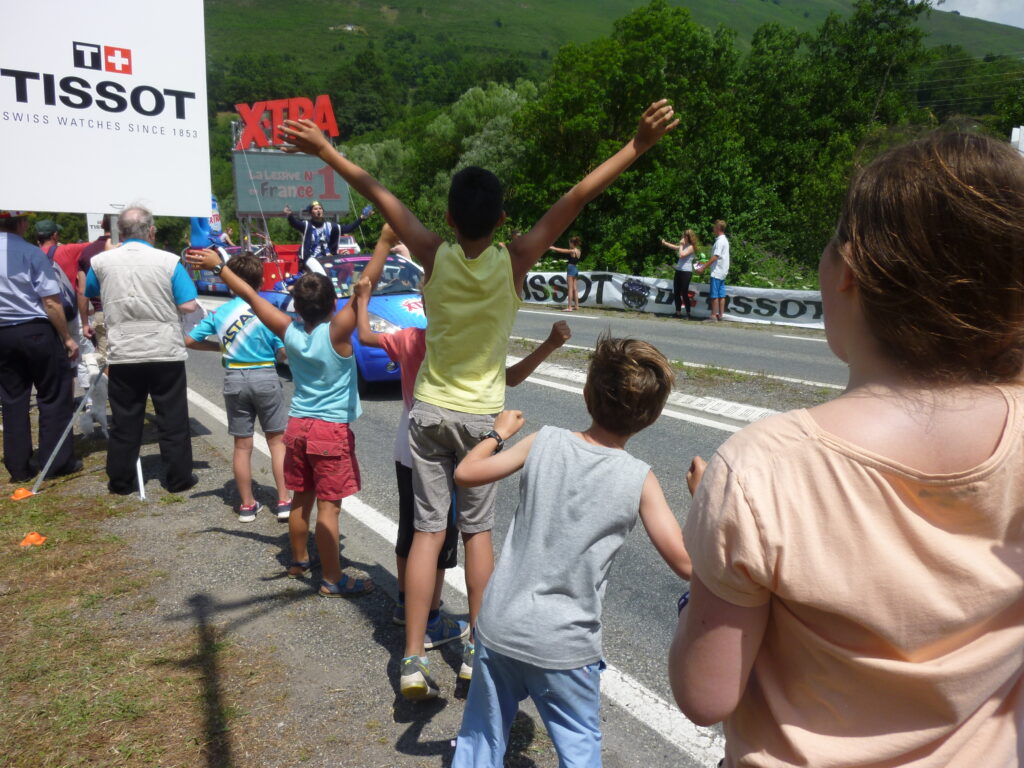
(466, 670)
(416, 683)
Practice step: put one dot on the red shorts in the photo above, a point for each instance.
(320, 456)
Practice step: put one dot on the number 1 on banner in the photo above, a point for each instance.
(329, 192)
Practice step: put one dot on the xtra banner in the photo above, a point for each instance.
(648, 294)
(103, 104)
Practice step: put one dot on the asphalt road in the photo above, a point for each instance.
(777, 350)
(640, 613)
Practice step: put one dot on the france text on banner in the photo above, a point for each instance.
(107, 108)
(648, 294)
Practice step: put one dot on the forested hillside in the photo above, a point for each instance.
(774, 118)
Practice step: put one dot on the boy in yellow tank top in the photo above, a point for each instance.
(471, 292)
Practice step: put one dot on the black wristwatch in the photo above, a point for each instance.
(498, 438)
(216, 270)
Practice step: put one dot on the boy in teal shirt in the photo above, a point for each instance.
(320, 457)
(251, 386)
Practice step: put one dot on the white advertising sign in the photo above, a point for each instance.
(94, 221)
(649, 294)
(103, 104)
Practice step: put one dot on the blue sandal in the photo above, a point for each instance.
(346, 587)
(297, 568)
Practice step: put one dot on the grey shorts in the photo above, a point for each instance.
(250, 393)
(439, 439)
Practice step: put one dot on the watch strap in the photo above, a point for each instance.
(498, 438)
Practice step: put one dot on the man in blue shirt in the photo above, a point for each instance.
(36, 349)
(145, 291)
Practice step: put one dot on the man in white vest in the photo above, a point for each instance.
(144, 291)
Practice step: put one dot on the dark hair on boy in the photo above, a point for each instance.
(475, 202)
(627, 384)
(248, 267)
(314, 297)
(933, 232)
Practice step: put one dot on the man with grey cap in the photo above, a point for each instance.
(145, 291)
(36, 349)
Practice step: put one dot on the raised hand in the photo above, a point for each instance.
(560, 333)
(303, 136)
(508, 423)
(204, 258)
(362, 289)
(655, 123)
(388, 235)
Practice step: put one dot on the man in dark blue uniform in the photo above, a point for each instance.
(36, 349)
(320, 237)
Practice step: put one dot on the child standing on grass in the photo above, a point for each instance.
(320, 452)
(719, 266)
(539, 631)
(574, 253)
(251, 386)
(407, 347)
(471, 290)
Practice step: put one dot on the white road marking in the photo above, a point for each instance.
(718, 407)
(771, 376)
(558, 313)
(702, 744)
(799, 338)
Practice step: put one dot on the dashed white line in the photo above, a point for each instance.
(704, 745)
(799, 338)
(772, 376)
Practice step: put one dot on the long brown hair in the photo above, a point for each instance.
(933, 232)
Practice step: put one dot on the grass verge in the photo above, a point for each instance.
(84, 682)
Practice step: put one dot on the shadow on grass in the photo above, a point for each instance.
(215, 743)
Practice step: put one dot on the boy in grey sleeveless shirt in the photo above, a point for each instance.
(539, 630)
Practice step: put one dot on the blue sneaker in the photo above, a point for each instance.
(443, 630)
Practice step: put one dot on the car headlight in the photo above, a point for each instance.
(379, 325)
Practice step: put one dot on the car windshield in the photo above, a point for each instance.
(399, 276)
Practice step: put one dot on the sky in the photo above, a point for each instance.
(1003, 11)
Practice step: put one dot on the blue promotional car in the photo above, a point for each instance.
(396, 303)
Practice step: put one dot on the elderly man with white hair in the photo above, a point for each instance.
(144, 291)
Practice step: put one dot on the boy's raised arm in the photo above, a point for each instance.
(527, 249)
(344, 321)
(272, 317)
(518, 373)
(305, 136)
(663, 528)
(361, 292)
(482, 465)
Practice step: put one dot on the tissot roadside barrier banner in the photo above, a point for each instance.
(611, 290)
(103, 104)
